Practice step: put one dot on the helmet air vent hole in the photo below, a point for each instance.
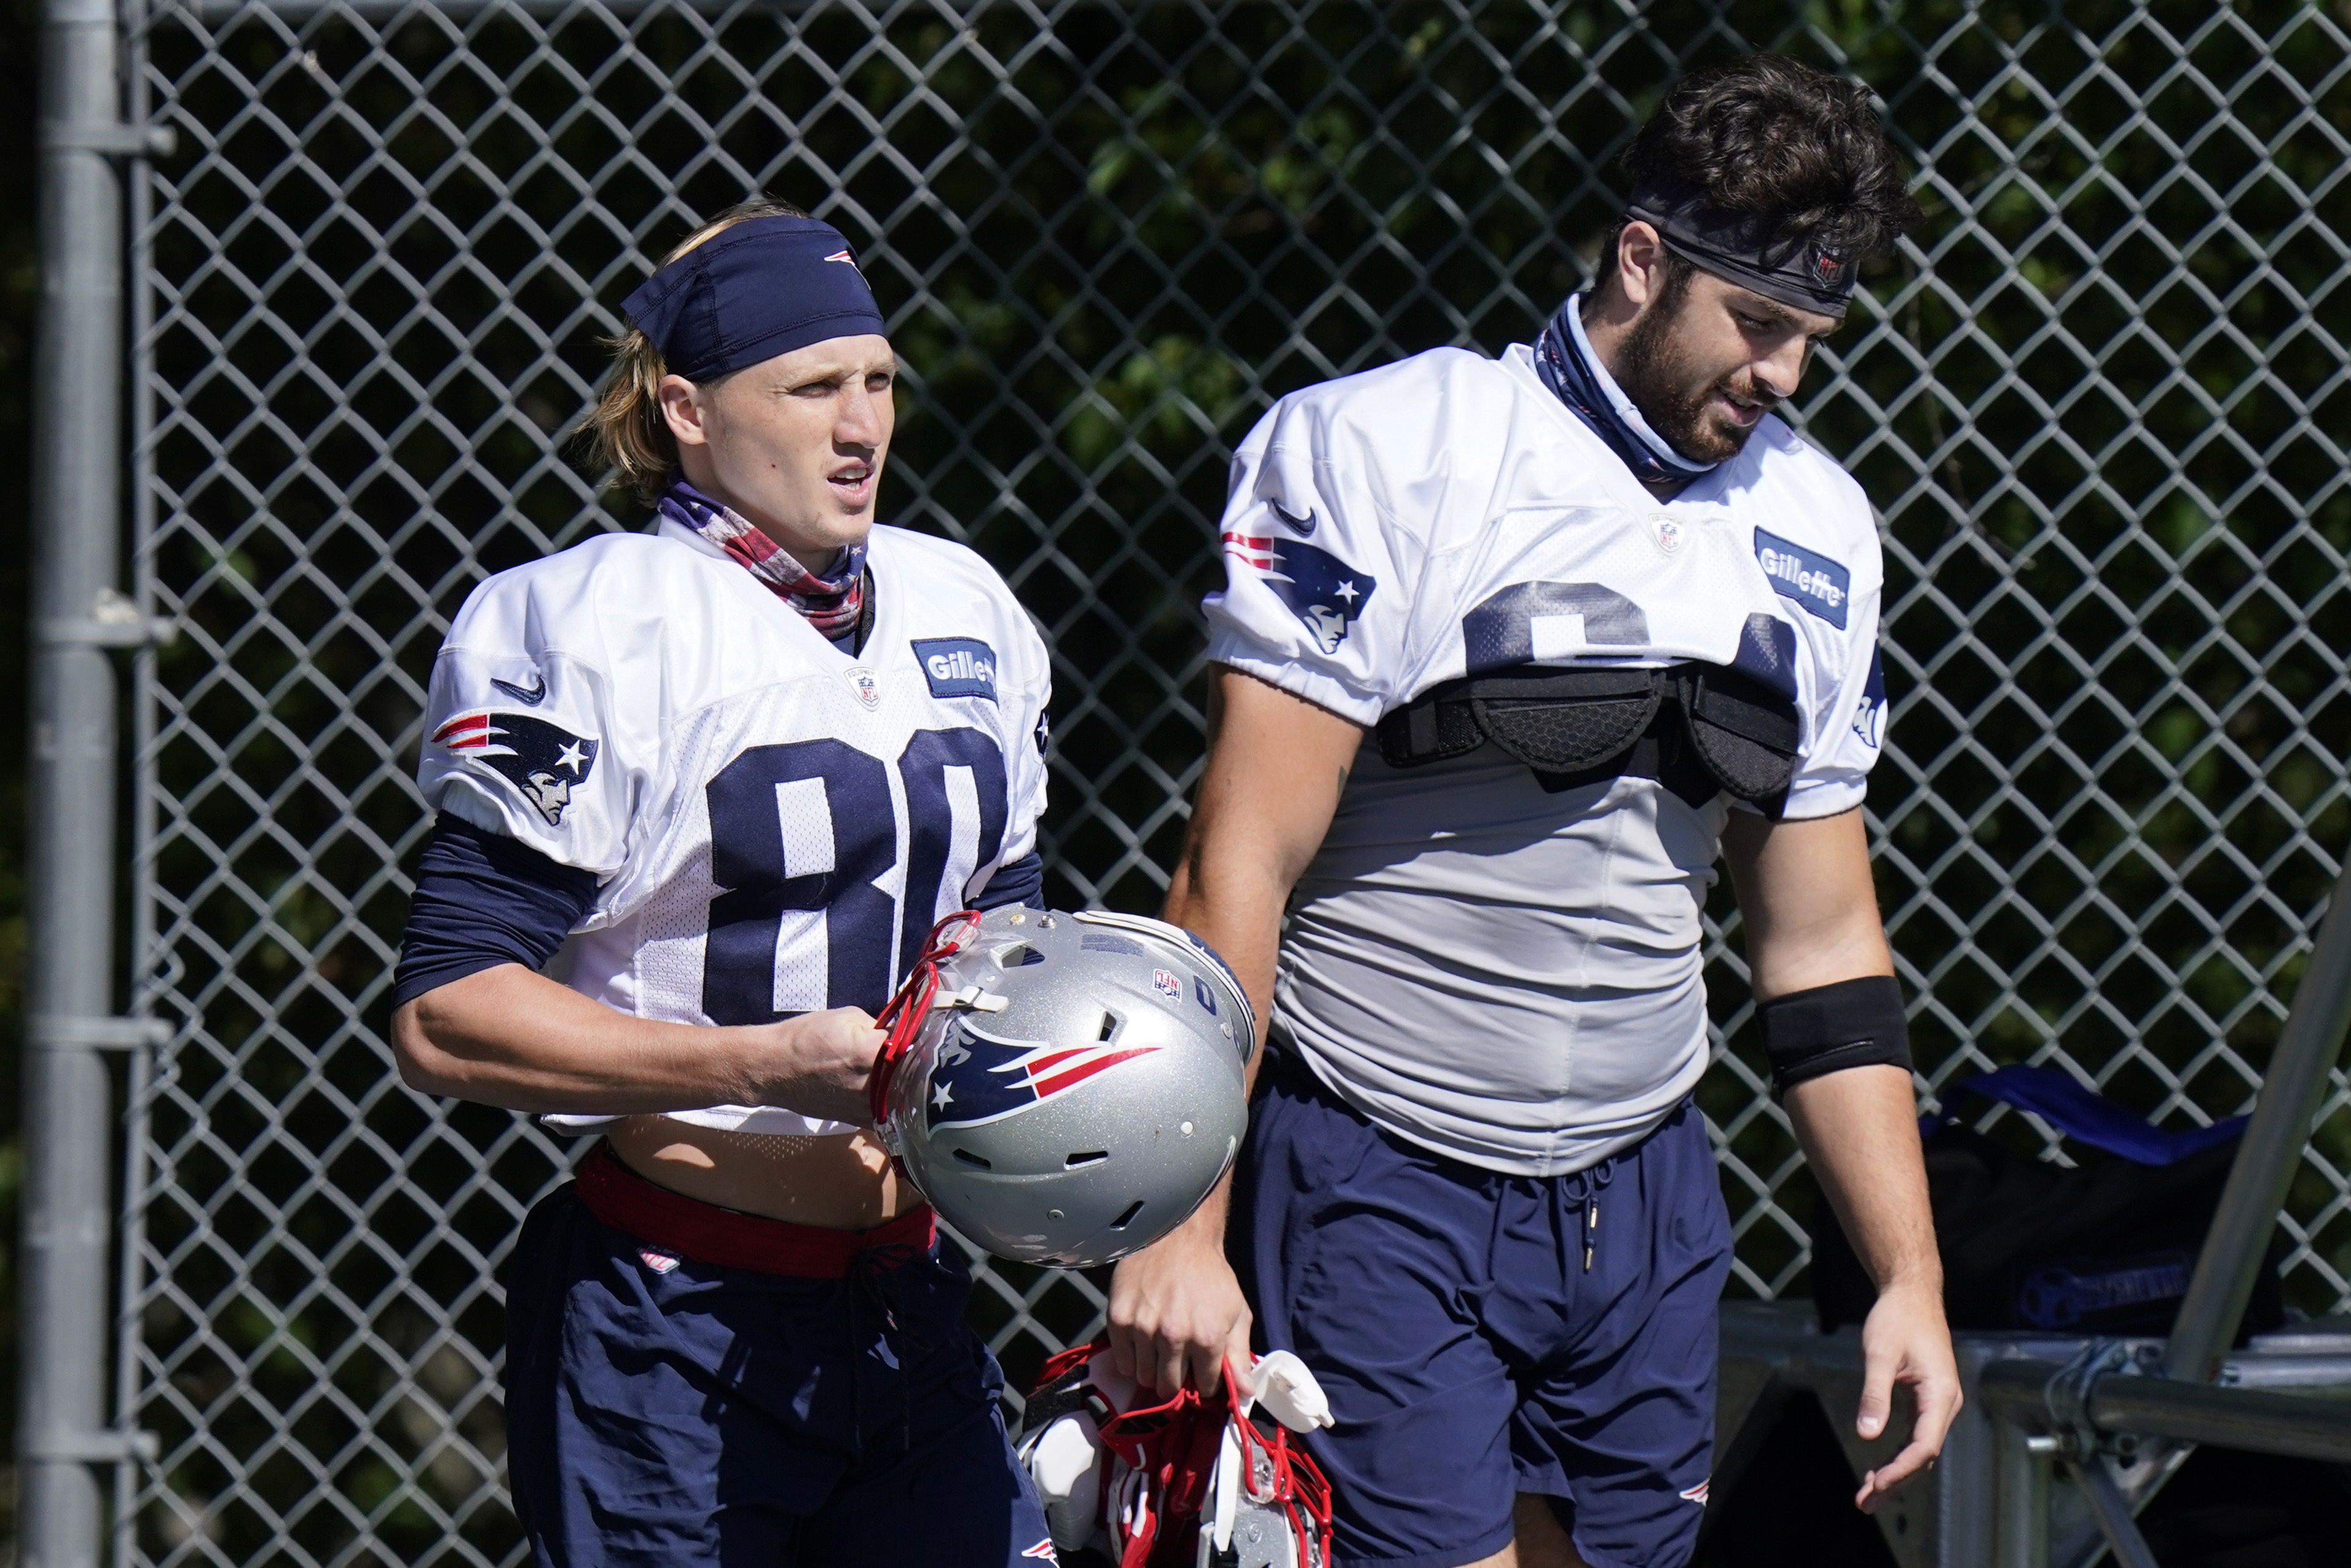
(1126, 1214)
(967, 1158)
(1109, 1026)
(1094, 1157)
(1018, 957)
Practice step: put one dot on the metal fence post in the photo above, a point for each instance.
(69, 1117)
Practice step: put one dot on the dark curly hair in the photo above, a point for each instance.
(1800, 151)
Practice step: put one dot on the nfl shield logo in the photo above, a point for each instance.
(868, 690)
(1167, 985)
(1668, 535)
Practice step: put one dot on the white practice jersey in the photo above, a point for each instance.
(776, 824)
(1508, 976)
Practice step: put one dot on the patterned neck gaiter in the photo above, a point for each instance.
(1564, 359)
(832, 603)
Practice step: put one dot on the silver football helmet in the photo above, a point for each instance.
(1064, 1089)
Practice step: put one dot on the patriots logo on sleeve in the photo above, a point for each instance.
(980, 1078)
(1869, 713)
(545, 761)
(1323, 591)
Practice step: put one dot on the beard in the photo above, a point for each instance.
(1655, 369)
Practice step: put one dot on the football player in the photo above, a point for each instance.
(1511, 651)
(702, 792)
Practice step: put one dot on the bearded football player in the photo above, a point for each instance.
(1511, 653)
(702, 794)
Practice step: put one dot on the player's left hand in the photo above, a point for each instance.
(1906, 1341)
(1177, 1312)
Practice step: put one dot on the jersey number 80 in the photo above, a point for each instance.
(865, 930)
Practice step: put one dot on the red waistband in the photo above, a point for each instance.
(709, 1234)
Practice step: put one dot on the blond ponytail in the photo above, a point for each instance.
(624, 434)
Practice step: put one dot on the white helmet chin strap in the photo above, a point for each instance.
(971, 998)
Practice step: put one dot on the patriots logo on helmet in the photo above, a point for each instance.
(980, 1077)
(545, 761)
(1321, 589)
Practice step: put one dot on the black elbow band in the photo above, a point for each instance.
(1853, 1023)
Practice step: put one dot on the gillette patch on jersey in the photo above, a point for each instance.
(957, 666)
(1813, 582)
(545, 761)
(1323, 591)
(980, 1077)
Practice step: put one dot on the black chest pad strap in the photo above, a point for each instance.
(1698, 728)
(1553, 720)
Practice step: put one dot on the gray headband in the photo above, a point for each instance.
(1802, 272)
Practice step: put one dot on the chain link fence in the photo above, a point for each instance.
(2100, 403)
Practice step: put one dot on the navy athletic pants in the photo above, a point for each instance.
(663, 1412)
(1470, 1351)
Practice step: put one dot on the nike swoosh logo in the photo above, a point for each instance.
(1304, 526)
(531, 694)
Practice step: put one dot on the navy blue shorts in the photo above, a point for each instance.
(671, 1412)
(1469, 1352)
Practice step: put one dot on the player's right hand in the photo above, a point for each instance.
(1175, 1310)
(819, 1064)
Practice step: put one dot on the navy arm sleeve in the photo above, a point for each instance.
(482, 900)
(1019, 882)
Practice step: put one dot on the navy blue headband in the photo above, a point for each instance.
(1800, 272)
(759, 289)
